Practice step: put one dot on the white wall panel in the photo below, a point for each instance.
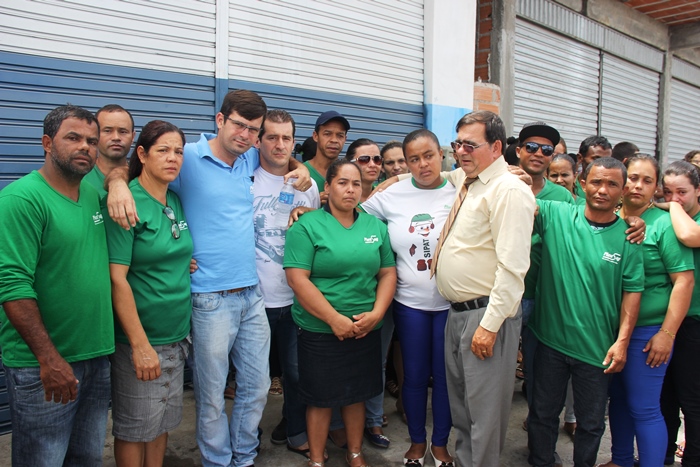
(364, 48)
(630, 103)
(684, 125)
(174, 35)
(556, 81)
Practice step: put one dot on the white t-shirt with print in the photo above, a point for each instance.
(415, 218)
(269, 240)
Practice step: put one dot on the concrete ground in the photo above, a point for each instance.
(183, 452)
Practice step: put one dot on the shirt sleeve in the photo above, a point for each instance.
(386, 253)
(633, 272)
(511, 208)
(675, 256)
(375, 205)
(299, 250)
(20, 245)
(120, 242)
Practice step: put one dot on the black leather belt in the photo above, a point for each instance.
(470, 305)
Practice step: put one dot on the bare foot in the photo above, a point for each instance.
(416, 451)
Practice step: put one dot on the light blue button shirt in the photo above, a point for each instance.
(218, 203)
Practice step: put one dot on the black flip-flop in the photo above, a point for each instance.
(305, 452)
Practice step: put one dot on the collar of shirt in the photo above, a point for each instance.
(496, 168)
(205, 151)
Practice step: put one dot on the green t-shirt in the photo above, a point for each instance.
(53, 250)
(318, 178)
(159, 267)
(551, 192)
(694, 310)
(663, 255)
(344, 262)
(97, 179)
(582, 276)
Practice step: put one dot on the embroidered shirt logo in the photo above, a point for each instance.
(371, 239)
(612, 257)
(97, 218)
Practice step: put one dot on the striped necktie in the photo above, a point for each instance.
(448, 223)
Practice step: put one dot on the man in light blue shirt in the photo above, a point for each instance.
(229, 322)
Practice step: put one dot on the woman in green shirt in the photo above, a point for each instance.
(149, 269)
(341, 267)
(635, 392)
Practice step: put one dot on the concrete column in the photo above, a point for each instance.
(449, 47)
(664, 117)
(502, 61)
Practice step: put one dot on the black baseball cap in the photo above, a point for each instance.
(326, 117)
(539, 129)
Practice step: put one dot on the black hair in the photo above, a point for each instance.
(567, 158)
(687, 169)
(607, 163)
(335, 168)
(591, 141)
(644, 157)
(624, 150)
(420, 133)
(352, 149)
(148, 137)
(390, 145)
(109, 108)
(54, 119)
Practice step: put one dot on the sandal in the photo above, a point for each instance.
(316, 464)
(276, 386)
(393, 388)
(352, 457)
(680, 449)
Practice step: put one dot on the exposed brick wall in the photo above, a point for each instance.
(483, 40)
(487, 96)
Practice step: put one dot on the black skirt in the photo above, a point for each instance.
(335, 373)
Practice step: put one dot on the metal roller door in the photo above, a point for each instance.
(556, 80)
(362, 58)
(630, 103)
(684, 125)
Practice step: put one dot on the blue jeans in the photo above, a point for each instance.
(284, 332)
(422, 340)
(374, 408)
(635, 408)
(48, 434)
(551, 373)
(229, 326)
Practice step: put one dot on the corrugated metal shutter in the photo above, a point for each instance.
(31, 86)
(556, 80)
(365, 48)
(684, 125)
(630, 103)
(363, 59)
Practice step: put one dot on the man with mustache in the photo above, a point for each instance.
(57, 326)
(116, 135)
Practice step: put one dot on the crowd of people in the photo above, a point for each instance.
(117, 270)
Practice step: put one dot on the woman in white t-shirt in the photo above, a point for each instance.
(415, 210)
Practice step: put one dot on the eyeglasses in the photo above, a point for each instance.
(174, 228)
(532, 147)
(362, 160)
(466, 147)
(240, 126)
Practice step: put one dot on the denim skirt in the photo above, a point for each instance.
(335, 373)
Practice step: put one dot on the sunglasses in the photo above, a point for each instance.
(547, 149)
(174, 228)
(466, 147)
(362, 160)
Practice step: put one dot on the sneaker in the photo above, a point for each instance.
(279, 434)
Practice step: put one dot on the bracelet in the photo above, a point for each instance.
(673, 336)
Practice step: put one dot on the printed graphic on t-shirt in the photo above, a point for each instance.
(421, 225)
(268, 238)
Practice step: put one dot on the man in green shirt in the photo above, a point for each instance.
(592, 148)
(330, 133)
(57, 326)
(116, 135)
(587, 303)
